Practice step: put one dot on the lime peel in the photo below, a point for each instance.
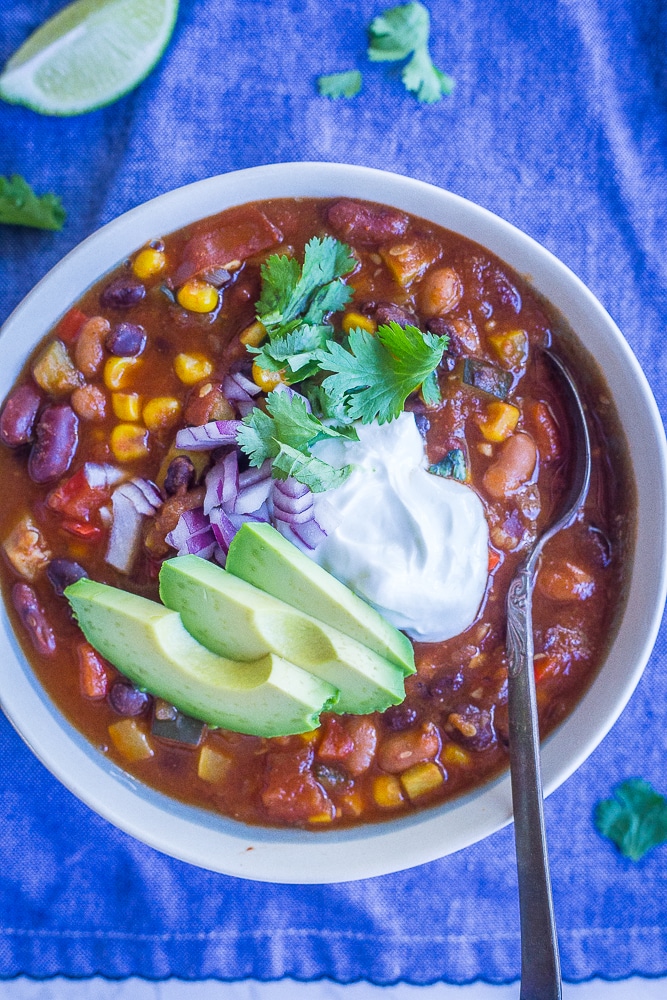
(88, 55)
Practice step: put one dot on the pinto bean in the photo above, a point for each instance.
(33, 619)
(565, 581)
(364, 736)
(57, 434)
(18, 416)
(89, 346)
(440, 292)
(89, 402)
(365, 224)
(413, 746)
(513, 467)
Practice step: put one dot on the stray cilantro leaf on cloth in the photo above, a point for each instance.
(284, 435)
(404, 31)
(335, 85)
(379, 372)
(20, 206)
(635, 819)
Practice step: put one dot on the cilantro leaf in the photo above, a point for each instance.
(335, 85)
(293, 350)
(285, 435)
(333, 409)
(290, 292)
(635, 819)
(431, 390)
(20, 206)
(313, 472)
(379, 372)
(404, 31)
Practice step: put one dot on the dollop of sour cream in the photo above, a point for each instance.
(411, 543)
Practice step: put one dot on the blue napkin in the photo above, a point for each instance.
(557, 124)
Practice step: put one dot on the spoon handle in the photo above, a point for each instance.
(540, 963)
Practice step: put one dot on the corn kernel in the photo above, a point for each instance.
(500, 421)
(192, 368)
(213, 765)
(352, 320)
(126, 405)
(118, 372)
(129, 442)
(511, 347)
(422, 778)
(266, 379)
(148, 263)
(129, 740)
(312, 736)
(452, 754)
(253, 335)
(387, 791)
(353, 804)
(161, 412)
(197, 296)
(323, 817)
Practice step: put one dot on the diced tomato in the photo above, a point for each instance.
(76, 498)
(90, 532)
(545, 431)
(494, 559)
(245, 232)
(545, 666)
(93, 676)
(70, 325)
(291, 793)
(336, 742)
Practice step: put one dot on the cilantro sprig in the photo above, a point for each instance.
(403, 32)
(378, 372)
(285, 434)
(20, 206)
(635, 819)
(335, 85)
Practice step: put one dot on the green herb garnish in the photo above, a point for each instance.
(20, 206)
(285, 435)
(337, 85)
(635, 819)
(378, 372)
(403, 32)
(452, 466)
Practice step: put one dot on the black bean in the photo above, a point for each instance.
(18, 416)
(332, 777)
(441, 689)
(128, 700)
(123, 293)
(482, 734)
(126, 340)
(57, 436)
(34, 619)
(63, 572)
(180, 475)
(389, 312)
(399, 717)
(423, 424)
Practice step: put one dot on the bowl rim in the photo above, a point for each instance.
(219, 844)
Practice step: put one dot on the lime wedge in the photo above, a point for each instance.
(88, 55)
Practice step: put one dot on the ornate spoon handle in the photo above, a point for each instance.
(540, 963)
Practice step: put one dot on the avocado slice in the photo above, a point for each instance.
(149, 644)
(260, 555)
(233, 618)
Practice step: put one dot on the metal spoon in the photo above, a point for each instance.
(540, 962)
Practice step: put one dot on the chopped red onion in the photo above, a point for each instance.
(101, 474)
(245, 383)
(189, 523)
(310, 533)
(125, 533)
(245, 406)
(287, 503)
(291, 487)
(252, 497)
(222, 483)
(143, 494)
(252, 475)
(208, 436)
(223, 527)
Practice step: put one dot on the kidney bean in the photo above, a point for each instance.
(18, 416)
(126, 340)
(423, 424)
(399, 717)
(388, 312)
(440, 292)
(441, 689)
(63, 572)
(128, 700)
(513, 467)
(365, 224)
(89, 402)
(89, 346)
(398, 753)
(472, 727)
(57, 434)
(180, 475)
(33, 618)
(123, 293)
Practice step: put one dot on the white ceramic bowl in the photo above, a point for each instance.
(223, 845)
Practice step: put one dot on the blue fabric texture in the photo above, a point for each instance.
(558, 124)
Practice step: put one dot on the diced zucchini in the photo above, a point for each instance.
(487, 377)
(452, 466)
